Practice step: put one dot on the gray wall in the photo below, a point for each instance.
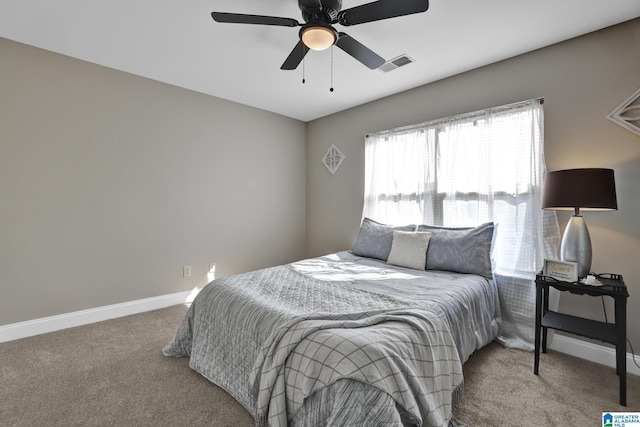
(110, 183)
(582, 80)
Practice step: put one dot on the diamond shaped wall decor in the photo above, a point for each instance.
(627, 114)
(333, 159)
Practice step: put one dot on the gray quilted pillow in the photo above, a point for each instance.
(374, 239)
(462, 250)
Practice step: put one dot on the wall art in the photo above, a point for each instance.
(333, 158)
(627, 114)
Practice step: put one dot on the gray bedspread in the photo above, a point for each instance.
(470, 302)
(307, 344)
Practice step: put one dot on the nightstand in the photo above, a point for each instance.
(613, 333)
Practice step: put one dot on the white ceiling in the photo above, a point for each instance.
(177, 42)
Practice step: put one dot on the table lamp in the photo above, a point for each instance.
(589, 189)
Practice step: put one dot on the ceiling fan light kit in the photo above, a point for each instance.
(317, 37)
(317, 32)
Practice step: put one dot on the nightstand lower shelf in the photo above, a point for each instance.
(579, 326)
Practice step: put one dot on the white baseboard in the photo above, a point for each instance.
(84, 317)
(592, 352)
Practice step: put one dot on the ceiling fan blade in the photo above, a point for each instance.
(359, 51)
(382, 9)
(240, 18)
(295, 57)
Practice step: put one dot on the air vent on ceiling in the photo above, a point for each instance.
(397, 62)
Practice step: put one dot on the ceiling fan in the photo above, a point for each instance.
(318, 33)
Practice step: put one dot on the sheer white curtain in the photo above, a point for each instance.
(466, 170)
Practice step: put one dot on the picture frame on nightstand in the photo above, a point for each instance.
(565, 271)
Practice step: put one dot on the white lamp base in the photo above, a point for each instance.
(576, 245)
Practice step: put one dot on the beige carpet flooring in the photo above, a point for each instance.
(113, 374)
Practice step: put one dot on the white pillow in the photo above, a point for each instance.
(409, 249)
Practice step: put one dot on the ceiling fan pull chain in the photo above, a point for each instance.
(331, 89)
(303, 70)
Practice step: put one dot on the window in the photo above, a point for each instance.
(464, 171)
(467, 170)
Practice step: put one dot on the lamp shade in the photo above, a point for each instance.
(590, 189)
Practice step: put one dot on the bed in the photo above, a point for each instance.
(350, 338)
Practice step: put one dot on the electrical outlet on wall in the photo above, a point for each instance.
(186, 271)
